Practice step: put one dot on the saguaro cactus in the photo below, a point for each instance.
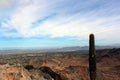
(92, 58)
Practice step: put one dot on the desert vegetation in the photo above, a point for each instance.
(92, 58)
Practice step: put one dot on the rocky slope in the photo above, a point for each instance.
(109, 63)
(60, 66)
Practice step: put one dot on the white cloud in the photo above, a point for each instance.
(62, 24)
(4, 3)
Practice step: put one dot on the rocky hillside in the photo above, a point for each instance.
(108, 54)
(115, 52)
(59, 66)
(108, 61)
(12, 72)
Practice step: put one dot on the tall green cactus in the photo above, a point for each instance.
(92, 58)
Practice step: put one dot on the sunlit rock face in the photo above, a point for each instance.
(28, 72)
(8, 72)
(17, 72)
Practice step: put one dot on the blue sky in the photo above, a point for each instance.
(46, 23)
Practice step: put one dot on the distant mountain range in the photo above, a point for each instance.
(62, 49)
(74, 48)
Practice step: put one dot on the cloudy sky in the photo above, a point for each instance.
(41, 23)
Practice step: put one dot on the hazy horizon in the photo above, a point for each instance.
(57, 47)
(58, 23)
